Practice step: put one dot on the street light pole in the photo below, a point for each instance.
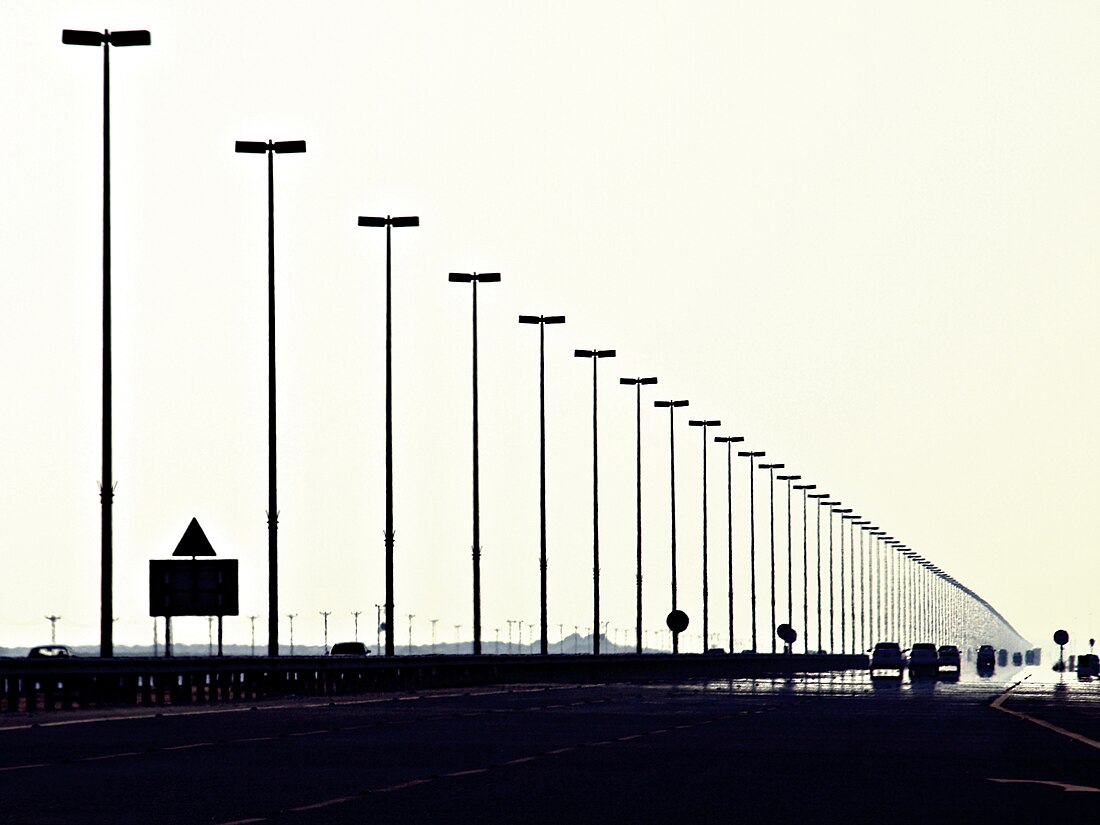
(73, 37)
(805, 488)
(832, 587)
(729, 441)
(863, 525)
(389, 535)
(790, 561)
(542, 321)
(638, 383)
(771, 468)
(672, 405)
(271, 148)
(595, 355)
(820, 498)
(704, 424)
(475, 279)
(844, 514)
(752, 456)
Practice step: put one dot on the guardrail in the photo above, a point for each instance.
(29, 685)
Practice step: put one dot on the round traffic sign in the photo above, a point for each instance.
(787, 633)
(1061, 637)
(677, 621)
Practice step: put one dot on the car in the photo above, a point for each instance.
(1017, 659)
(50, 652)
(1088, 664)
(349, 649)
(923, 661)
(887, 661)
(950, 663)
(987, 660)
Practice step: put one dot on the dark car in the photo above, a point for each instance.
(349, 649)
(950, 663)
(1088, 664)
(987, 660)
(887, 661)
(923, 661)
(49, 652)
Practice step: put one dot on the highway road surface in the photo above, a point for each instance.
(822, 748)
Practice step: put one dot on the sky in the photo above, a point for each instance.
(860, 234)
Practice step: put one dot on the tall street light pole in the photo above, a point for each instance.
(595, 355)
(863, 527)
(771, 468)
(74, 37)
(729, 441)
(820, 499)
(672, 405)
(832, 505)
(542, 321)
(475, 279)
(752, 455)
(704, 424)
(805, 488)
(388, 222)
(271, 148)
(844, 514)
(790, 560)
(638, 383)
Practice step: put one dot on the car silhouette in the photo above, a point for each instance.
(923, 661)
(50, 652)
(987, 660)
(349, 649)
(887, 662)
(950, 663)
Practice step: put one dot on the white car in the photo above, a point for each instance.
(887, 661)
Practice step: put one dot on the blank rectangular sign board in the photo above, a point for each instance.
(193, 587)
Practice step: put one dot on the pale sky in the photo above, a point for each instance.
(861, 234)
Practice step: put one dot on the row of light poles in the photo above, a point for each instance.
(270, 148)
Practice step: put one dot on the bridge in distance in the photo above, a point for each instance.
(830, 747)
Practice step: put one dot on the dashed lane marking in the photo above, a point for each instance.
(476, 771)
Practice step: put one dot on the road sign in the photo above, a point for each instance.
(193, 587)
(1061, 637)
(194, 542)
(677, 621)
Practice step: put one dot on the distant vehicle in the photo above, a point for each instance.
(1088, 664)
(950, 663)
(887, 661)
(923, 661)
(987, 660)
(50, 652)
(349, 649)
(1002, 658)
(716, 651)
(1017, 659)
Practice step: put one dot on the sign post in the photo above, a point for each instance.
(198, 587)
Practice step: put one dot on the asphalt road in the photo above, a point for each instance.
(820, 748)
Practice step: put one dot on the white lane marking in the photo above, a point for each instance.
(402, 785)
(998, 704)
(340, 800)
(23, 767)
(1065, 786)
(468, 773)
(111, 756)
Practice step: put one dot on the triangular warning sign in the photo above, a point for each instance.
(194, 542)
